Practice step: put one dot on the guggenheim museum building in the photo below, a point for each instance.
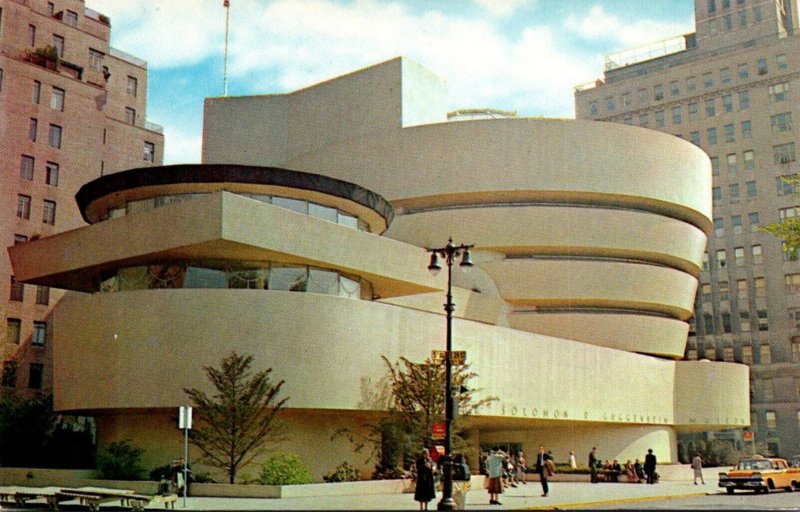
(301, 240)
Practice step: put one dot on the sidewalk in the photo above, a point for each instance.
(562, 495)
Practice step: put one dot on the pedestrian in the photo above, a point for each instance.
(572, 463)
(544, 467)
(650, 466)
(593, 464)
(697, 466)
(522, 465)
(495, 465)
(424, 491)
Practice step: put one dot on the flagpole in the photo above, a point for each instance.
(225, 64)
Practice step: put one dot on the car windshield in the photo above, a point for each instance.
(754, 464)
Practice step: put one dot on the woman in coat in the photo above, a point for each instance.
(424, 490)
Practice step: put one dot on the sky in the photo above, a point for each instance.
(520, 55)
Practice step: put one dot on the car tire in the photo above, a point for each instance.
(730, 490)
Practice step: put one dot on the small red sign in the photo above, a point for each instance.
(437, 431)
(747, 436)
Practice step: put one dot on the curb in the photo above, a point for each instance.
(614, 502)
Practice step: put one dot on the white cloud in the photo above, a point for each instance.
(599, 24)
(183, 145)
(501, 7)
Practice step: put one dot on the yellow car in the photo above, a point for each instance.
(761, 475)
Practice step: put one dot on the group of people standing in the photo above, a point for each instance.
(634, 472)
(496, 464)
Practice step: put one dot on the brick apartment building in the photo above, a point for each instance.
(732, 89)
(71, 109)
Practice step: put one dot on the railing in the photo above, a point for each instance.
(153, 127)
(102, 18)
(646, 52)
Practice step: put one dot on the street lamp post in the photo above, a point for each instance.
(449, 252)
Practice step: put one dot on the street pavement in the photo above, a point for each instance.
(562, 495)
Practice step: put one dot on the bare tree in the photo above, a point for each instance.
(235, 425)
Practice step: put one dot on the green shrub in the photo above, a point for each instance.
(120, 461)
(344, 472)
(285, 469)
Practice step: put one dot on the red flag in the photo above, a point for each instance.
(226, 3)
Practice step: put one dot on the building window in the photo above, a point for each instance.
(149, 151)
(716, 194)
(730, 133)
(705, 292)
(710, 109)
(133, 86)
(763, 325)
(611, 104)
(676, 115)
(23, 206)
(725, 76)
(35, 376)
(795, 341)
(747, 130)
(705, 261)
(9, 374)
(712, 136)
(37, 91)
(711, 353)
(96, 59)
(721, 258)
(724, 293)
(752, 190)
(658, 92)
(57, 99)
(789, 255)
(749, 160)
(755, 220)
(26, 167)
(593, 109)
(781, 122)
(49, 212)
(39, 333)
(727, 103)
(761, 287)
(659, 119)
(714, 159)
(130, 115)
(31, 35)
(17, 290)
(719, 227)
(738, 256)
(51, 177)
(58, 42)
(755, 252)
(741, 290)
(736, 222)
(780, 61)
(768, 390)
(692, 110)
(792, 283)
(691, 84)
(20, 239)
(787, 213)
(744, 321)
(733, 166)
(784, 153)
(674, 89)
(747, 354)
(43, 295)
(33, 129)
(628, 120)
(51, 8)
(742, 18)
(744, 71)
(762, 66)
(712, 6)
(708, 81)
(784, 184)
(71, 18)
(744, 100)
(13, 330)
(55, 136)
(778, 92)
(727, 354)
(691, 354)
(734, 192)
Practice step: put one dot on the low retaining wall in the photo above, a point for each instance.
(300, 491)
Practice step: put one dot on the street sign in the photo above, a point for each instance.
(185, 418)
(438, 356)
(438, 431)
(747, 436)
(458, 356)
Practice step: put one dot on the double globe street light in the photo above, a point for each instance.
(449, 253)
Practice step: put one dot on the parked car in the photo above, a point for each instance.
(761, 474)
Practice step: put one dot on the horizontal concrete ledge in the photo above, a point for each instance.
(301, 491)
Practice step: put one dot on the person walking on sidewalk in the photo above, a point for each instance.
(650, 466)
(593, 463)
(697, 466)
(544, 466)
(495, 465)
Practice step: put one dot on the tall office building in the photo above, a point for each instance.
(71, 110)
(731, 88)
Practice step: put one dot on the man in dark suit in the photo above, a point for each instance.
(650, 466)
(593, 463)
(544, 468)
